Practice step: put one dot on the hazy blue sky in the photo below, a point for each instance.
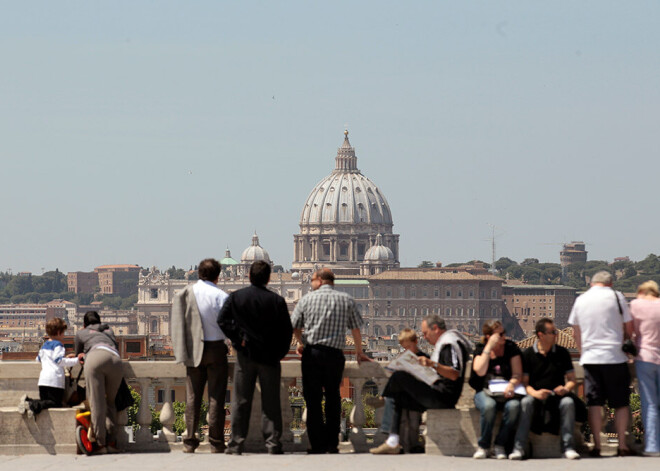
(535, 116)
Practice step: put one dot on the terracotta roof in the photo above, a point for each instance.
(115, 266)
(431, 274)
(564, 339)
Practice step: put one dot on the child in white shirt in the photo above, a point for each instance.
(51, 378)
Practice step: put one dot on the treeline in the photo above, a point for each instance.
(39, 289)
(628, 274)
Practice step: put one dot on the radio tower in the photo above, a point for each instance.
(493, 270)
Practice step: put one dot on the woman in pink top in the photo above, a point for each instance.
(645, 311)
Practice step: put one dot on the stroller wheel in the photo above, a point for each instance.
(84, 445)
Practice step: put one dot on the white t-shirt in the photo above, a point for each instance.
(601, 325)
(209, 299)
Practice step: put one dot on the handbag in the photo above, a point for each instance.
(124, 398)
(75, 393)
(628, 346)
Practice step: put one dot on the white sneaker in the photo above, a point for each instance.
(500, 453)
(516, 454)
(480, 454)
(571, 454)
(23, 405)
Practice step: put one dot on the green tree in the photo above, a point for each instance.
(503, 263)
(529, 261)
(426, 264)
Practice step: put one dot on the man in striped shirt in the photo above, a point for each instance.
(320, 321)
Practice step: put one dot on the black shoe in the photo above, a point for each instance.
(312, 451)
(275, 451)
(333, 451)
(230, 450)
(594, 453)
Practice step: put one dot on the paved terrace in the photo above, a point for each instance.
(177, 461)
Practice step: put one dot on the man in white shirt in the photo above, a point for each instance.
(600, 320)
(199, 343)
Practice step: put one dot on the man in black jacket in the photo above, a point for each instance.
(258, 324)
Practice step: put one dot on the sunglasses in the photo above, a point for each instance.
(552, 332)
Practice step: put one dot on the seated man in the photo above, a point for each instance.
(408, 341)
(448, 360)
(549, 378)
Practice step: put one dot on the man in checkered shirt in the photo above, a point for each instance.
(320, 321)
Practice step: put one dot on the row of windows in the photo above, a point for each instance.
(449, 312)
(424, 293)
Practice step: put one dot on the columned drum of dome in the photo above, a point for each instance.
(341, 219)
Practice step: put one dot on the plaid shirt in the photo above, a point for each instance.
(325, 315)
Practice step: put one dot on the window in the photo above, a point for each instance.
(161, 395)
(402, 292)
(436, 292)
(423, 293)
(471, 294)
(376, 292)
(413, 311)
(447, 311)
(133, 347)
(154, 293)
(154, 326)
(413, 292)
(460, 293)
(343, 250)
(493, 293)
(402, 311)
(459, 311)
(448, 293)
(389, 292)
(326, 249)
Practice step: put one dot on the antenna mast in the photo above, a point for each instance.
(493, 270)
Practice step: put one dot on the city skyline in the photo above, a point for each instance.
(160, 136)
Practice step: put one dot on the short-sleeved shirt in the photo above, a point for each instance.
(646, 320)
(596, 313)
(499, 367)
(546, 371)
(325, 315)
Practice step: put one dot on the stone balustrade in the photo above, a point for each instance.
(17, 378)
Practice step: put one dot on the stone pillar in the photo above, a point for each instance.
(357, 435)
(120, 432)
(167, 414)
(143, 435)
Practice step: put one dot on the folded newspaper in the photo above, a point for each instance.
(498, 386)
(407, 362)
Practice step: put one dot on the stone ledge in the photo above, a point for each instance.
(455, 432)
(53, 431)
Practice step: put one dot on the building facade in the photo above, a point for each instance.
(526, 304)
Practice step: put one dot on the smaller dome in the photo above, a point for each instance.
(378, 252)
(255, 252)
(228, 260)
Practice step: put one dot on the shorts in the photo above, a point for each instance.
(609, 382)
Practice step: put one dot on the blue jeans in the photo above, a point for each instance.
(566, 421)
(488, 407)
(388, 415)
(648, 376)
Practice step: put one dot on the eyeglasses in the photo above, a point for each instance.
(551, 332)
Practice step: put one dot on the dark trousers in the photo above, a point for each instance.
(412, 394)
(48, 397)
(246, 372)
(212, 369)
(322, 370)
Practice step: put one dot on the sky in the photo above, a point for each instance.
(160, 133)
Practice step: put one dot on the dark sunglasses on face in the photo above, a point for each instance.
(552, 332)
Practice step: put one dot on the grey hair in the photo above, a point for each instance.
(603, 277)
(435, 319)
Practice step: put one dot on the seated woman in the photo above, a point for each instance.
(496, 358)
(103, 374)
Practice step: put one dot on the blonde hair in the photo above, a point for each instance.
(407, 334)
(649, 288)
